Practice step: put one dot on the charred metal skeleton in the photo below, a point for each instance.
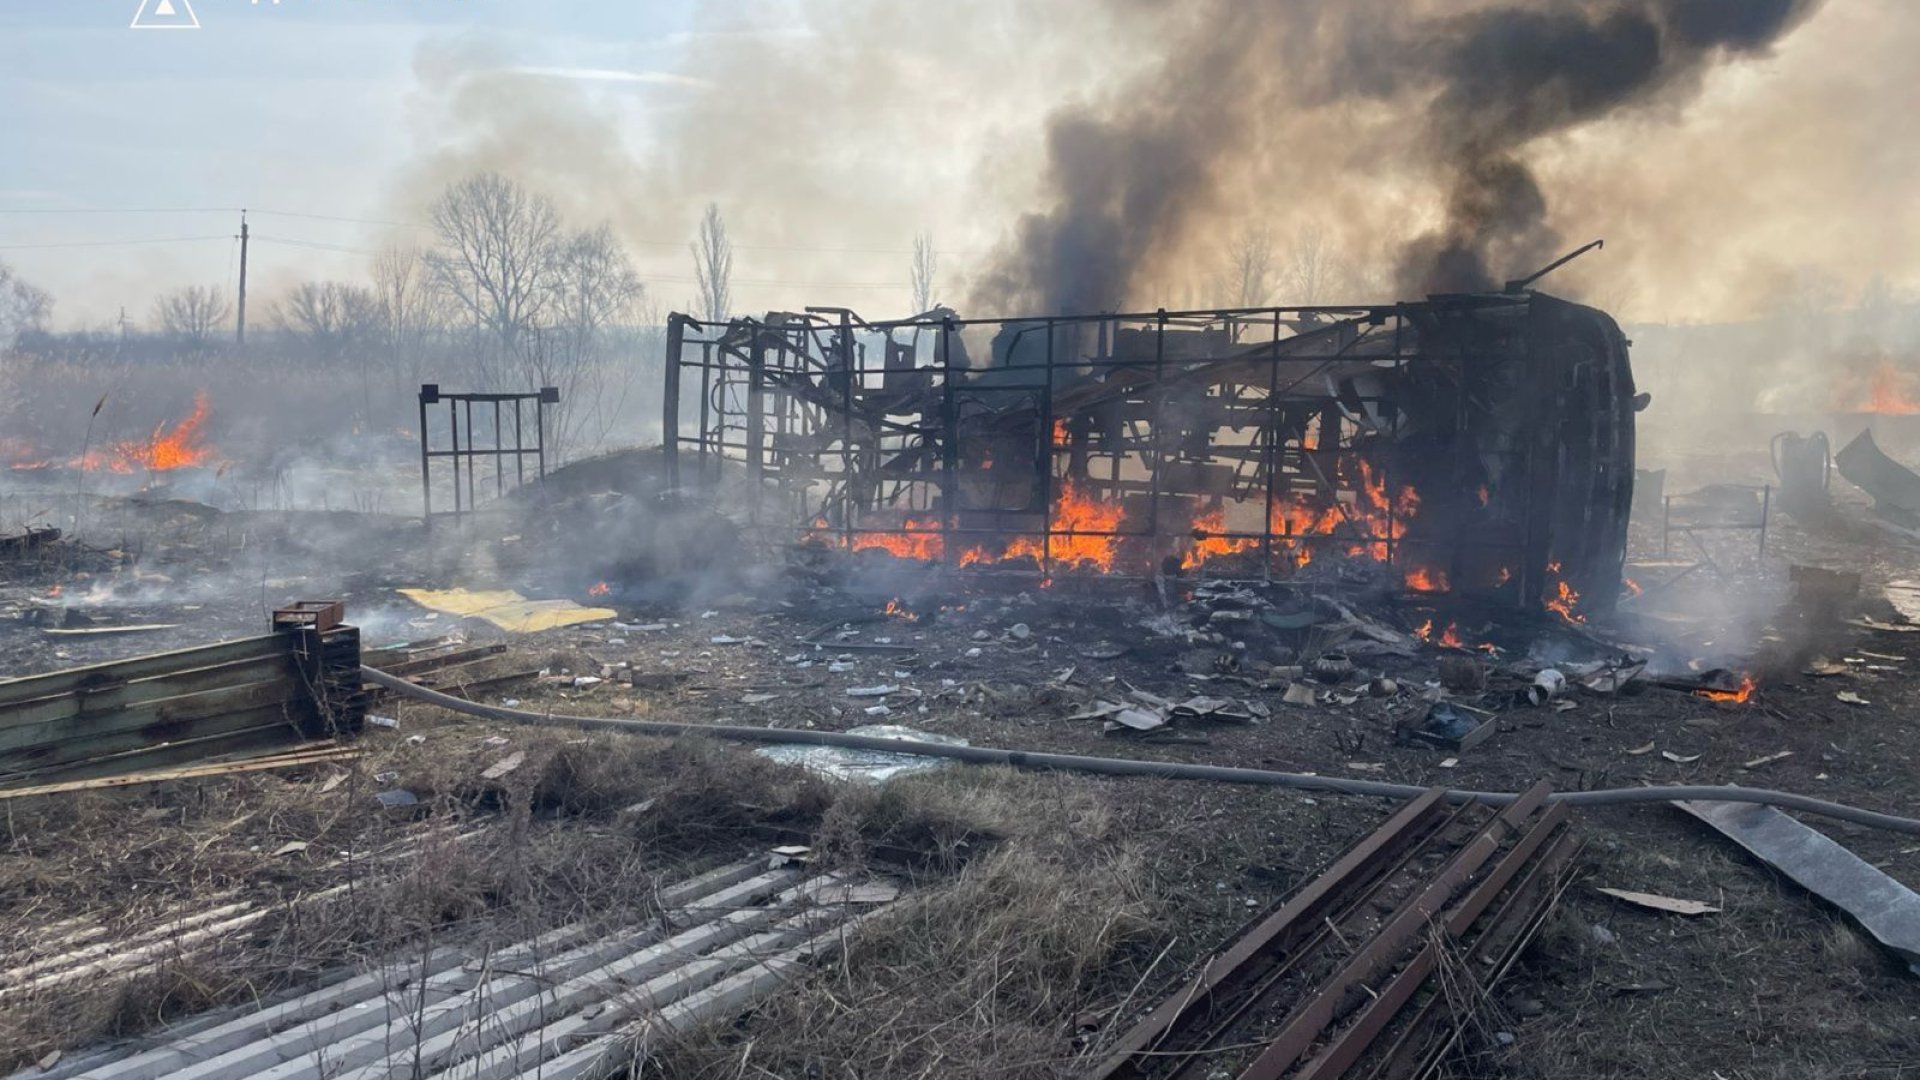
(1470, 443)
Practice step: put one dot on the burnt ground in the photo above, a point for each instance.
(1106, 889)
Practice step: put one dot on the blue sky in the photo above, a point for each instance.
(290, 106)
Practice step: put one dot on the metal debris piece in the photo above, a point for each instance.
(1882, 906)
(1613, 677)
(873, 766)
(1298, 693)
(1894, 487)
(1136, 720)
(1657, 902)
(1104, 650)
(504, 766)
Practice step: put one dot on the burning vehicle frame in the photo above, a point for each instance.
(1480, 444)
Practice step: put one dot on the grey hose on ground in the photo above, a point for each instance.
(1165, 770)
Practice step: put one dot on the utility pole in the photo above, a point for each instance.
(240, 333)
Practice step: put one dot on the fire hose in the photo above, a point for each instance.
(1163, 770)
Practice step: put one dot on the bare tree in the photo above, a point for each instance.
(925, 265)
(1313, 267)
(499, 247)
(332, 317)
(595, 292)
(23, 306)
(408, 307)
(411, 312)
(193, 313)
(1250, 267)
(713, 265)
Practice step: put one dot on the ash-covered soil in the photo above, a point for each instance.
(1106, 889)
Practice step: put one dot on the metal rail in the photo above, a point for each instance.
(1331, 983)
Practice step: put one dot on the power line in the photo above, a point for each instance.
(348, 220)
(137, 210)
(113, 243)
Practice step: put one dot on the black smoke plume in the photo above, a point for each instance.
(1129, 179)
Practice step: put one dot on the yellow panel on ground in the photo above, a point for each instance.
(507, 609)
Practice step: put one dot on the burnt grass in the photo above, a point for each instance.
(1046, 911)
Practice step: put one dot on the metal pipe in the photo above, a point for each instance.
(1163, 770)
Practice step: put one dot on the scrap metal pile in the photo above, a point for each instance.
(1373, 968)
(1479, 444)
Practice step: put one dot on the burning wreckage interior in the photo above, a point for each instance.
(1289, 691)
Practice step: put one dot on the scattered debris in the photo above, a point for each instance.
(504, 766)
(1882, 906)
(873, 766)
(1657, 902)
(507, 609)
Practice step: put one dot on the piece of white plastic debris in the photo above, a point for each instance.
(878, 710)
(382, 721)
(872, 691)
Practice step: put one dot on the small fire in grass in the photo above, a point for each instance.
(1889, 391)
(172, 446)
(897, 610)
(600, 588)
(1745, 691)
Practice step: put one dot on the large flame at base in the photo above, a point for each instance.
(1073, 524)
(919, 538)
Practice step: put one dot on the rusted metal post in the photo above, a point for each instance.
(670, 404)
(756, 423)
(429, 393)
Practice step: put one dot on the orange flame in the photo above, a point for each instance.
(1633, 587)
(1208, 542)
(1563, 602)
(1421, 579)
(600, 589)
(172, 446)
(896, 611)
(1889, 393)
(1075, 517)
(916, 539)
(1747, 687)
(1060, 433)
(1449, 638)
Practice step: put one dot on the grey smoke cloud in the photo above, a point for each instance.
(1129, 177)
